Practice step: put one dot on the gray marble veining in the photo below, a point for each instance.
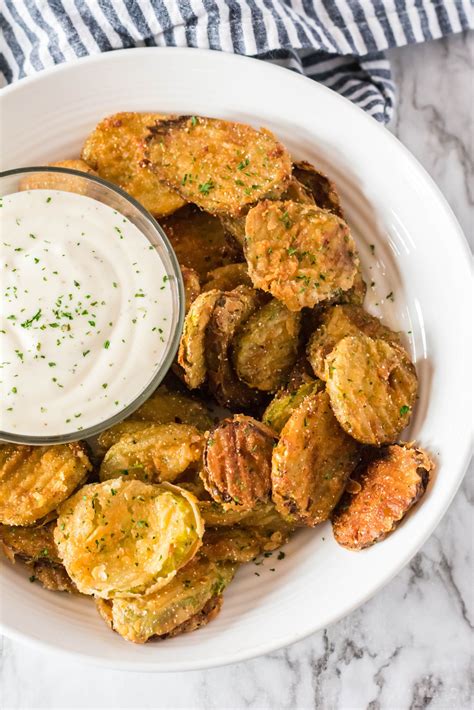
(411, 646)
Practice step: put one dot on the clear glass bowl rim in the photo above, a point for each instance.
(177, 325)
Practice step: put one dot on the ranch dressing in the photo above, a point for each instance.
(85, 314)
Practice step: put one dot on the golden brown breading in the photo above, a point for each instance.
(34, 480)
(226, 278)
(294, 191)
(300, 254)
(53, 577)
(200, 241)
(121, 538)
(209, 612)
(192, 346)
(311, 462)
(383, 492)
(241, 544)
(237, 462)
(285, 402)
(265, 348)
(336, 323)
(321, 188)
(161, 452)
(372, 385)
(160, 613)
(115, 150)
(29, 543)
(230, 312)
(192, 286)
(221, 166)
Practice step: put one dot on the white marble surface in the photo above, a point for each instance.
(410, 646)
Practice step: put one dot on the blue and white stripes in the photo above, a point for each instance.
(337, 42)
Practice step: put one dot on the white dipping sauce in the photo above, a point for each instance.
(86, 312)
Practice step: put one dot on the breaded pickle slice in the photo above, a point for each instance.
(320, 187)
(192, 346)
(336, 323)
(226, 278)
(295, 191)
(121, 538)
(383, 492)
(192, 286)
(311, 462)
(301, 254)
(166, 406)
(29, 543)
(34, 480)
(140, 618)
(199, 240)
(58, 181)
(241, 544)
(115, 150)
(209, 612)
(231, 311)
(285, 402)
(221, 166)
(237, 462)
(161, 452)
(266, 347)
(372, 385)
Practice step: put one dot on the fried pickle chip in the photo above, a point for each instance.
(58, 181)
(192, 286)
(241, 544)
(372, 385)
(115, 150)
(200, 241)
(192, 346)
(220, 166)
(237, 462)
(120, 538)
(266, 347)
(161, 452)
(34, 480)
(140, 618)
(320, 187)
(29, 543)
(285, 402)
(231, 311)
(387, 488)
(311, 462)
(338, 322)
(300, 254)
(166, 406)
(226, 278)
(294, 191)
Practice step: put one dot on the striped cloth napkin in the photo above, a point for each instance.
(339, 43)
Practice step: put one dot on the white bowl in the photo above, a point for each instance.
(420, 256)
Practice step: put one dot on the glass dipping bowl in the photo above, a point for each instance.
(68, 180)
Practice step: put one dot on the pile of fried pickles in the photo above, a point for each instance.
(154, 517)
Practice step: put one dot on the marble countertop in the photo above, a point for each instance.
(368, 660)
